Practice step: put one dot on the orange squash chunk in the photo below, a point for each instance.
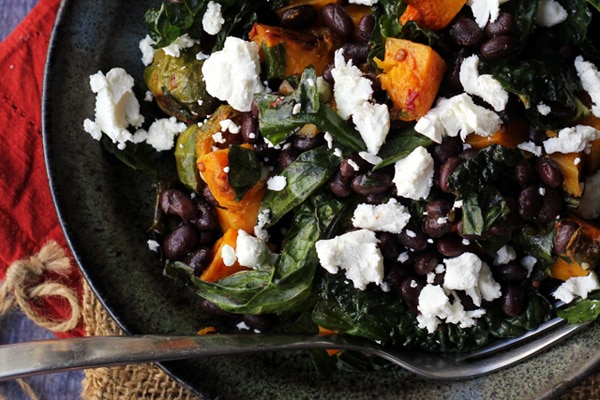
(412, 74)
(570, 165)
(232, 214)
(508, 136)
(217, 269)
(563, 270)
(302, 48)
(432, 14)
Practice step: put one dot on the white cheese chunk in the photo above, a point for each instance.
(457, 115)
(182, 42)
(147, 50)
(589, 76)
(504, 255)
(484, 86)
(161, 134)
(589, 205)
(356, 253)
(469, 273)
(212, 20)
(233, 73)
(571, 139)
(251, 251)
(550, 13)
(276, 183)
(485, 11)
(577, 286)
(387, 217)
(373, 124)
(228, 255)
(413, 175)
(364, 2)
(435, 306)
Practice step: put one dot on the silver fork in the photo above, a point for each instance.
(45, 356)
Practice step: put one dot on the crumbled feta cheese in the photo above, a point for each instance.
(589, 77)
(589, 205)
(530, 147)
(262, 221)
(457, 115)
(544, 109)
(413, 176)
(485, 11)
(212, 20)
(571, 139)
(233, 73)
(469, 273)
(276, 183)
(550, 13)
(228, 125)
(403, 257)
(116, 107)
(228, 255)
(370, 158)
(355, 252)
(504, 255)
(182, 42)
(483, 86)
(252, 252)
(147, 49)
(153, 245)
(577, 286)
(387, 217)
(528, 262)
(161, 134)
(352, 93)
(364, 2)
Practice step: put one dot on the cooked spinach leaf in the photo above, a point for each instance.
(582, 310)
(244, 170)
(399, 144)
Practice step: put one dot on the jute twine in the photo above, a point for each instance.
(24, 284)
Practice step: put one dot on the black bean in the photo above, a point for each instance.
(498, 47)
(451, 146)
(177, 202)
(563, 234)
(357, 52)
(530, 202)
(371, 183)
(212, 309)
(262, 322)
(426, 262)
(179, 242)
(525, 174)
(249, 127)
(199, 259)
(340, 186)
(537, 135)
(466, 33)
(438, 208)
(398, 272)
(503, 25)
(353, 165)
(365, 27)
(413, 238)
(511, 272)
(512, 301)
(446, 170)
(206, 218)
(286, 157)
(549, 172)
(299, 17)
(451, 245)
(306, 142)
(327, 73)
(551, 205)
(466, 300)
(436, 227)
(388, 246)
(337, 19)
(410, 288)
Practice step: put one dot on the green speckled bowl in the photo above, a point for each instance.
(105, 209)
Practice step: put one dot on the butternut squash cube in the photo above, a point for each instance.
(412, 74)
(217, 269)
(432, 14)
(570, 165)
(508, 136)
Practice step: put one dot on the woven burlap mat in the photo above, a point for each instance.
(147, 381)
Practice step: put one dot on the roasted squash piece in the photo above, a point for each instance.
(582, 249)
(412, 74)
(205, 139)
(217, 269)
(563, 269)
(432, 14)
(509, 135)
(233, 214)
(302, 48)
(570, 165)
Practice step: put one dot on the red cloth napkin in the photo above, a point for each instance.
(28, 218)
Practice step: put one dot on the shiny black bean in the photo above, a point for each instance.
(371, 183)
(530, 203)
(436, 227)
(426, 262)
(410, 288)
(551, 206)
(512, 301)
(525, 174)
(357, 52)
(397, 274)
(466, 33)
(413, 238)
(549, 172)
(177, 202)
(208, 196)
(438, 208)
(388, 246)
(446, 170)
(207, 215)
(208, 237)
(537, 135)
(503, 25)
(327, 73)
(249, 127)
(262, 322)
(199, 259)
(498, 47)
(378, 198)
(563, 234)
(353, 165)
(451, 245)
(511, 272)
(340, 186)
(365, 28)
(337, 19)
(299, 17)
(306, 142)
(211, 308)
(286, 157)
(179, 242)
(450, 147)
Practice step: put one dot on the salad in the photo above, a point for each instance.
(423, 174)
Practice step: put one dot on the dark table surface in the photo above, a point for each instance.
(16, 327)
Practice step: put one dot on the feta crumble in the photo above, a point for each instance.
(251, 251)
(212, 20)
(413, 175)
(589, 76)
(571, 139)
(387, 217)
(182, 42)
(550, 13)
(485, 11)
(276, 183)
(577, 286)
(228, 255)
(147, 49)
(483, 86)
